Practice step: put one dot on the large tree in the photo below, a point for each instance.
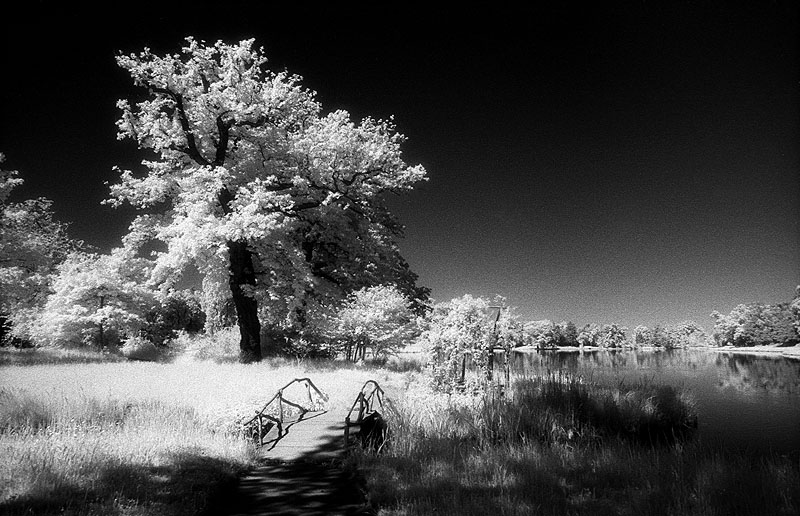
(272, 200)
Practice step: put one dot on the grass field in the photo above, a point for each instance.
(136, 438)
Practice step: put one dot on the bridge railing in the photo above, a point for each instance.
(369, 401)
(278, 408)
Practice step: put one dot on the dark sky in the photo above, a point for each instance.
(636, 163)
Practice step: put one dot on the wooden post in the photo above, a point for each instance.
(360, 406)
(492, 342)
(490, 365)
(100, 324)
(507, 366)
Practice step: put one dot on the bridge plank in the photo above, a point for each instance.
(318, 436)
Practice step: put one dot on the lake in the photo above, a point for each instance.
(751, 403)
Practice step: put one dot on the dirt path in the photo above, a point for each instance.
(300, 474)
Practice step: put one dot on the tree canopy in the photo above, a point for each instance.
(273, 201)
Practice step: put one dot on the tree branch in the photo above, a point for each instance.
(223, 128)
(191, 150)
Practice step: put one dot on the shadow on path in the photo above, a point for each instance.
(310, 480)
(270, 444)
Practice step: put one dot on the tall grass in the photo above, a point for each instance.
(140, 438)
(89, 455)
(557, 445)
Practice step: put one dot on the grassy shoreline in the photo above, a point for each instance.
(555, 447)
(784, 351)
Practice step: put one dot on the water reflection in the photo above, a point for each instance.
(742, 372)
(742, 400)
(772, 374)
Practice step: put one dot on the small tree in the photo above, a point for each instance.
(642, 336)
(589, 335)
(377, 318)
(613, 336)
(96, 300)
(468, 329)
(568, 334)
(687, 334)
(456, 330)
(543, 334)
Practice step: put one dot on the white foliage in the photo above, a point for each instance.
(244, 154)
(94, 295)
(32, 243)
(377, 317)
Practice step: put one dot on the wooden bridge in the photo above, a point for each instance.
(302, 446)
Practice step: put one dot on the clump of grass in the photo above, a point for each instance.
(20, 412)
(220, 346)
(406, 362)
(558, 406)
(41, 356)
(87, 455)
(558, 445)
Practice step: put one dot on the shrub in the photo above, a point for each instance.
(139, 348)
(300, 344)
(221, 345)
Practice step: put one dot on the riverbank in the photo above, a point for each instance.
(784, 351)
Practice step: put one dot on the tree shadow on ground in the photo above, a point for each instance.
(319, 481)
(184, 485)
(294, 488)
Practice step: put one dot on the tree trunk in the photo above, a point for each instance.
(242, 274)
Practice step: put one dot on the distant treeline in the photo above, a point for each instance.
(758, 324)
(752, 324)
(547, 334)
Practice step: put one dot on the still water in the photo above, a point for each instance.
(745, 402)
